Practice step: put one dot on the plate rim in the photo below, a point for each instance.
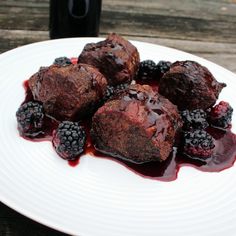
(31, 215)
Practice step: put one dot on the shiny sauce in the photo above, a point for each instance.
(224, 153)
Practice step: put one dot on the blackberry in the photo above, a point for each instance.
(221, 115)
(198, 144)
(69, 140)
(195, 119)
(121, 87)
(146, 70)
(30, 119)
(109, 93)
(62, 61)
(162, 67)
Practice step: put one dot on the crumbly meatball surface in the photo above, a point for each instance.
(139, 125)
(68, 91)
(116, 58)
(190, 85)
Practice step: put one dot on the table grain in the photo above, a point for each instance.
(204, 28)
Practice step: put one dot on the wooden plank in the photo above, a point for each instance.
(200, 9)
(168, 27)
(24, 21)
(191, 46)
(15, 38)
(24, 3)
(211, 21)
(15, 224)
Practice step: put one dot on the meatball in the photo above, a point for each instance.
(68, 91)
(190, 85)
(139, 126)
(115, 57)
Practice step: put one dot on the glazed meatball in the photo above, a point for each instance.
(190, 85)
(115, 57)
(139, 126)
(68, 91)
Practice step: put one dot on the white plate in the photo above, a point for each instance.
(101, 197)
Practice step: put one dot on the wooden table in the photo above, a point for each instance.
(206, 28)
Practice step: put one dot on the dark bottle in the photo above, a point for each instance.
(74, 18)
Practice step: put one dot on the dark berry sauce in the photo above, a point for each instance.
(74, 162)
(224, 154)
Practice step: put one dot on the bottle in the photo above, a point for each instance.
(74, 18)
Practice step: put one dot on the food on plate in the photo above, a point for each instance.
(115, 57)
(62, 61)
(162, 67)
(194, 119)
(152, 117)
(221, 115)
(139, 125)
(68, 91)
(112, 91)
(198, 143)
(146, 70)
(30, 119)
(190, 85)
(149, 70)
(69, 140)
